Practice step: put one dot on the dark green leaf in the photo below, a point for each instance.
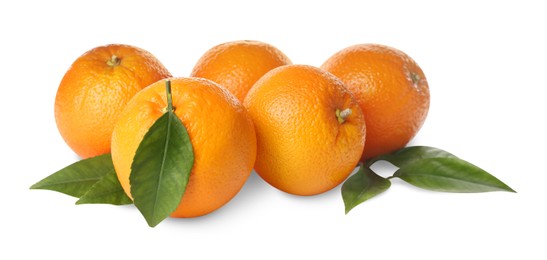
(450, 175)
(77, 178)
(361, 186)
(107, 190)
(161, 168)
(408, 155)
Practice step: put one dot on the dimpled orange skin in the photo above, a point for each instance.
(302, 147)
(221, 132)
(238, 65)
(391, 89)
(95, 90)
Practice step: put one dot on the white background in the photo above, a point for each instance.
(485, 63)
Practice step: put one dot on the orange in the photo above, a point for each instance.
(94, 91)
(221, 132)
(310, 130)
(391, 89)
(238, 65)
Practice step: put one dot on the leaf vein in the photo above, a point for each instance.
(450, 178)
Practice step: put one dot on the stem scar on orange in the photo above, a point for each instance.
(95, 90)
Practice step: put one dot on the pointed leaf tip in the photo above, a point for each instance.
(76, 179)
(450, 175)
(361, 186)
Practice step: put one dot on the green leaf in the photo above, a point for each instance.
(361, 186)
(161, 168)
(449, 174)
(107, 190)
(408, 155)
(77, 178)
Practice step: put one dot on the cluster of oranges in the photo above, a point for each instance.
(245, 105)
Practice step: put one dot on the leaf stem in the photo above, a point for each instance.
(169, 96)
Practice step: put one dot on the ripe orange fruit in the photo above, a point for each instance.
(94, 91)
(310, 131)
(238, 65)
(391, 89)
(220, 130)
